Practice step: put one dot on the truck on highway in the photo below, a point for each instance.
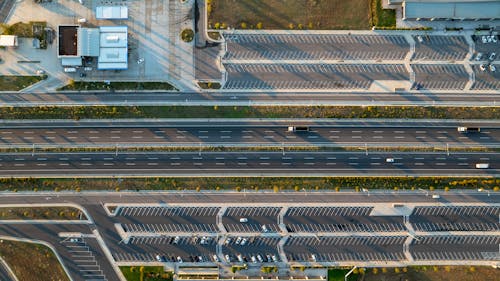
(298, 129)
(468, 130)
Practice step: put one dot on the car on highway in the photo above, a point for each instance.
(297, 129)
(436, 196)
(243, 220)
(482, 166)
(465, 130)
(389, 160)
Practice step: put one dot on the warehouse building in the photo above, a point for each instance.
(449, 9)
(108, 43)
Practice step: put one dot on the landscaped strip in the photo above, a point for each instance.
(41, 213)
(250, 184)
(105, 112)
(31, 261)
(146, 273)
(116, 86)
(16, 83)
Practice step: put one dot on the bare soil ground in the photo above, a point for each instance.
(31, 261)
(435, 273)
(291, 14)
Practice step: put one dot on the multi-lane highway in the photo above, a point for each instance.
(283, 163)
(212, 132)
(249, 98)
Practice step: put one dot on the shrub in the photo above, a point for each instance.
(187, 35)
(259, 25)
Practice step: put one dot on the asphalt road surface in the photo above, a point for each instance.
(245, 133)
(246, 99)
(245, 163)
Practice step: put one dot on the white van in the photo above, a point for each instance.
(69, 69)
(243, 220)
(482, 166)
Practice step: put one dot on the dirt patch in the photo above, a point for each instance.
(31, 261)
(433, 273)
(290, 14)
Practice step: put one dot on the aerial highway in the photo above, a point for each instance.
(244, 98)
(246, 132)
(248, 163)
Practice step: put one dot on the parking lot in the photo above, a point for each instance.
(315, 47)
(455, 248)
(487, 79)
(440, 47)
(311, 76)
(440, 76)
(485, 46)
(84, 259)
(251, 249)
(358, 248)
(168, 219)
(251, 219)
(339, 219)
(169, 249)
(457, 218)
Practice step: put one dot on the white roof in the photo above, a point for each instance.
(75, 61)
(8, 40)
(113, 50)
(111, 12)
(452, 9)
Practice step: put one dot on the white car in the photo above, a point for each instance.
(389, 160)
(228, 258)
(215, 258)
(482, 166)
(243, 220)
(492, 56)
(482, 67)
(484, 39)
(492, 68)
(479, 56)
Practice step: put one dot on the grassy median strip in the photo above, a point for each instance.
(104, 112)
(41, 213)
(146, 273)
(16, 83)
(31, 261)
(276, 184)
(116, 86)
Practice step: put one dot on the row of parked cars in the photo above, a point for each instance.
(253, 258)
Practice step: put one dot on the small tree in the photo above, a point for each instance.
(243, 25)
(291, 26)
(259, 25)
(374, 271)
(217, 25)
